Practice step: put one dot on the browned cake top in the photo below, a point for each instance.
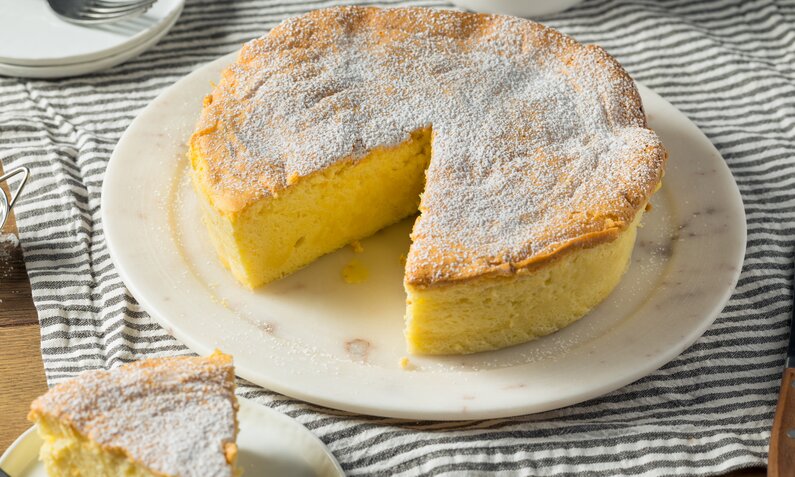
(539, 142)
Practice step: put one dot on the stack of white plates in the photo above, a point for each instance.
(38, 44)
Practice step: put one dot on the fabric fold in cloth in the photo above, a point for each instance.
(728, 65)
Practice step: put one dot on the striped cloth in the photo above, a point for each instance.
(728, 65)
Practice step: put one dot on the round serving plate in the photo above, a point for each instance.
(33, 35)
(269, 443)
(315, 337)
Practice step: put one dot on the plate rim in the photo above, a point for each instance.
(19, 442)
(648, 367)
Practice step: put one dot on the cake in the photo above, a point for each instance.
(526, 153)
(151, 418)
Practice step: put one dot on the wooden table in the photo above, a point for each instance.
(21, 367)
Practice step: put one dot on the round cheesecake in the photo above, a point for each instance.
(526, 153)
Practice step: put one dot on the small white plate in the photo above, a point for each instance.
(316, 338)
(34, 36)
(519, 8)
(270, 443)
(76, 69)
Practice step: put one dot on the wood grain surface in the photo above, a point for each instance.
(21, 368)
(782, 437)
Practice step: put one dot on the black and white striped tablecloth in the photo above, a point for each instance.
(728, 65)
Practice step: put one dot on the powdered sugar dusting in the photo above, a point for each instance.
(173, 415)
(537, 140)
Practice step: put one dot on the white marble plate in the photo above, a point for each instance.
(270, 443)
(314, 337)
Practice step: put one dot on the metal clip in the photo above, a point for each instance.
(7, 203)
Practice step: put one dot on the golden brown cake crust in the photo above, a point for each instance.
(540, 143)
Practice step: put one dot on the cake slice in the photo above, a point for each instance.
(155, 417)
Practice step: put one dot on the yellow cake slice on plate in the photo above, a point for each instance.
(526, 153)
(158, 417)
